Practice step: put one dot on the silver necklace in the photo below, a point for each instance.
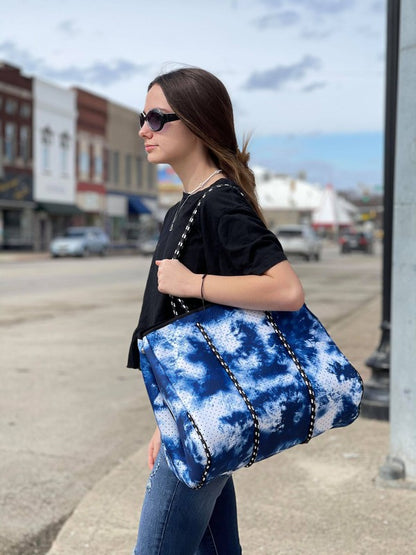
(200, 186)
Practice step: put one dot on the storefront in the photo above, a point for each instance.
(52, 219)
(16, 211)
(116, 217)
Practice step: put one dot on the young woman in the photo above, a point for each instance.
(188, 123)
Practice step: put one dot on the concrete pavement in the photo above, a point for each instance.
(7, 256)
(320, 498)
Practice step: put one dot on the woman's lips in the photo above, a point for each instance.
(149, 148)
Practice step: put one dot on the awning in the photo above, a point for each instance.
(137, 206)
(58, 209)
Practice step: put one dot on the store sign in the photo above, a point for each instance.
(16, 187)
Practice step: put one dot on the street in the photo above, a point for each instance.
(70, 409)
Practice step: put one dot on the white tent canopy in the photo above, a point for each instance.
(333, 210)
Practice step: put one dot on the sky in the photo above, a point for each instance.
(306, 77)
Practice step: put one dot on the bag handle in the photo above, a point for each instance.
(184, 236)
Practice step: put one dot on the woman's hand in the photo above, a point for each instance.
(153, 449)
(175, 279)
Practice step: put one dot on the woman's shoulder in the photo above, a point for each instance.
(224, 196)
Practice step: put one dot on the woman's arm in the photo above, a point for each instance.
(277, 289)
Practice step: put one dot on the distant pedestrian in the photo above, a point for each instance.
(230, 258)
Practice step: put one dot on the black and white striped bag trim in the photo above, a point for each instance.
(256, 427)
(301, 371)
(183, 238)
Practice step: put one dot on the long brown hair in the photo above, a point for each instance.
(202, 102)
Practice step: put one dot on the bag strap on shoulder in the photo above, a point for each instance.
(184, 236)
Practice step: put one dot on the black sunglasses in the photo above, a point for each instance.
(156, 119)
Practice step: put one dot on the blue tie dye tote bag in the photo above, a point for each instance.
(230, 387)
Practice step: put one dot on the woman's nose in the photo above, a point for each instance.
(145, 131)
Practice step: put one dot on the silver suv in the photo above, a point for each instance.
(80, 241)
(299, 240)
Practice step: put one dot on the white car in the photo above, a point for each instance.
(299, 240)
(80, 241)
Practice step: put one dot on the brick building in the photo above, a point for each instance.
(16, 179)
(90, 157)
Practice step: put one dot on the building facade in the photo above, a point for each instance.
(54, 143)
(16, 180)
(69, 157)
(90, 157)
(131, 181)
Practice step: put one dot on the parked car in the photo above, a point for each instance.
(80, 241)
(299, 240)
(356, 241)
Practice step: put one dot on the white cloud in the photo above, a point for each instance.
(98, 73)
(278, 76)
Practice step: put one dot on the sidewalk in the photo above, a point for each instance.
(29, 256)
(322, 498)
(21, 256)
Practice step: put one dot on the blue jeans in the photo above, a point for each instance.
(177, 520)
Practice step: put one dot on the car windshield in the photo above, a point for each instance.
(74, 233)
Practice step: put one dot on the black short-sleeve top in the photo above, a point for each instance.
(227, 238)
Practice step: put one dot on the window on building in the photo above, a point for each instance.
(47, 136)
(116, 169)
(98, 162)
(108, 165)
(25, 110)
(10, 142)
(139, 171)
(64, 148)
(98, 166)
(128, 169)
(83, 160)
(25, 143)
(11, 106)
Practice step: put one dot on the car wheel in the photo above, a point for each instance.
(317, 256)
(307, 257)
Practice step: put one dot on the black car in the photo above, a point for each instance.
(357, 241)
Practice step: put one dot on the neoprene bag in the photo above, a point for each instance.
(230, 387)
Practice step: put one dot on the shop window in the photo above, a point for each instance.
(11, 106)
(25, 110)
(83, 160)
(98, 166)
(47, 137)
(98, 162)
(25, 143)
(128, 169)
(64, 149)
(10, 142)
(116, 169)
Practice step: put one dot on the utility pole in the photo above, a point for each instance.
(401, 463)
(376, 399)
